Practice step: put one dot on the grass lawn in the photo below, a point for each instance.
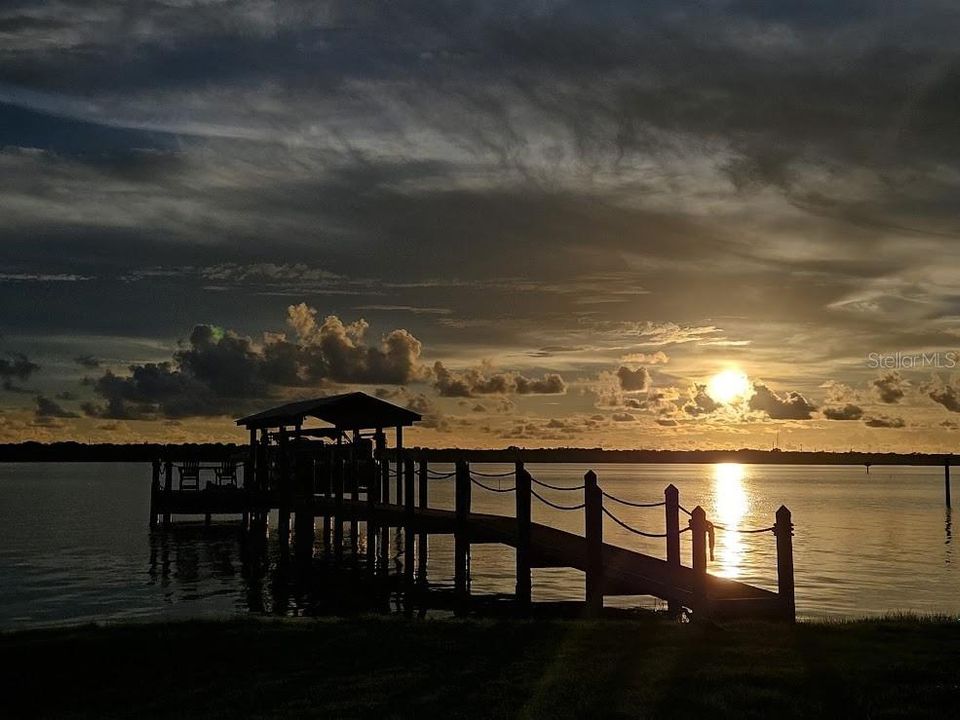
(395, 668)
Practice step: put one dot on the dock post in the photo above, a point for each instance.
(698, 531)
(154, 491)
(461, 540)
(946, 481)
(523, 536)
(785, 587)
(422, 501)
(167, 492)
(593, 525)
(408, 534)
(671, 505)
(338, 507)
(385, 498)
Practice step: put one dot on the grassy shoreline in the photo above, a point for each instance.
(389, 667)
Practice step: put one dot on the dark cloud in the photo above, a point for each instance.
(633, 380)
(883, 421)
(47, 408)
(700, 402)
(846, 412)
(483, 381)
(789, 406)
(16, 366)
(890, 387)
(87, 361)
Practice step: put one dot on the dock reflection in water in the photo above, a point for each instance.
(276, 579)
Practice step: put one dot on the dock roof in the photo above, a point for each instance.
(349, 411)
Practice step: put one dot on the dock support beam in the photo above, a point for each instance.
(154, 492)
(946, 481)
(167, 491)
(698, 532)
(422, 500)
(461, 540)
(785, 587)
(524, 590)
(408, 535)
(671, 499)
(593, 509)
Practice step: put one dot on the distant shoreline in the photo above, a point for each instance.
(147, 452)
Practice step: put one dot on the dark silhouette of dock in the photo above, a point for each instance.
(348, 477)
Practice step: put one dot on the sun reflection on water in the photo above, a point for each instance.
(730, 507)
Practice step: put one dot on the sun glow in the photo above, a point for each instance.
(728, 386)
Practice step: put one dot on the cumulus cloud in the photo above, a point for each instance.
(633, 380)
(700, 402)
(222, 372)
(946, 394)
(846, 412)
(484, 381)
(890, 387)
(789, 406)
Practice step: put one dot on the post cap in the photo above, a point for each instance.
(590, 478)
(671, 489)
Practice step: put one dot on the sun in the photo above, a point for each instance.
(728, 386)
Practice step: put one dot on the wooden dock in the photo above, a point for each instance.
(336, 494)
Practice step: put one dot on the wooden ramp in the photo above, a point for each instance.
(609, 569)
(625, 571)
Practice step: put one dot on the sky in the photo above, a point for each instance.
(593, 224)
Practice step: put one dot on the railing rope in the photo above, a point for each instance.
(630, 503)
(489, 488)
(493, 475)
(562, 488)
(634, 530)
(554, 505)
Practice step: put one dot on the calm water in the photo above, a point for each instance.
(75, 547)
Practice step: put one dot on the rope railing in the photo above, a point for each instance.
(684, 510)
(634, 530)
(555, 487)
(491, 489)
(630, 503)
(554, 505)
(440, 476)
(493, 475)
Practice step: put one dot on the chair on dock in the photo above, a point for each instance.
(227, 472)
(190, 475)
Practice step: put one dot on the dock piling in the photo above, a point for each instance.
(593, 525)
(698, 531)
(524, 590)
(167, 491)
(946, 481)
(785, 587)
(154, 492)
(671, 499)
(461, 540)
